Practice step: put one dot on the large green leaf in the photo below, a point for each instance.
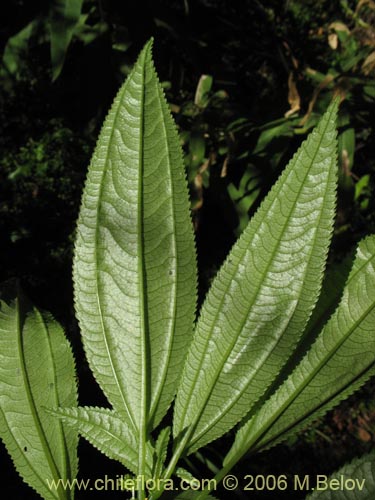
(354, 481)
(134, 265)
(64, 16)
(262, 297)
(338, 363)
(36, 370)
(107, 432)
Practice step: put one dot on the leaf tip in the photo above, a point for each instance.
(147, 49)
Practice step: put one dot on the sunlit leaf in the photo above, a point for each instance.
(262, 297)
(134, 265)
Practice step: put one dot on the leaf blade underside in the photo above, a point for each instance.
(262, 297)
(36, 370)
(134, 265)
(106, 431)
(340, 361)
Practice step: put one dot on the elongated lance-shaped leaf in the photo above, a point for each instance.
(107, 432)
(261, 299)
(338, 363)
(354, 481)
(161, 449)
(36, 370)
(134, 266)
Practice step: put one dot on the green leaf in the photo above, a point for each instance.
(161, 448)
(36, 370)
(64, 17)
(346, 150)
(87, 32)
(362, 191)
(360, 472)
(338, 363)
(245, 196)
(203, 90)
(134, 265)
(105, 430)
(284, 129)
(262, 297)
(16, 48)
(197, 151)
(186, 476)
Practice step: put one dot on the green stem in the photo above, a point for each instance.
(220, 475)
(172, 464)
(141, 467)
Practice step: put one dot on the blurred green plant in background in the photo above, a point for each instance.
(235, 145)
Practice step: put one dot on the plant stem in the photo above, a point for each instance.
(172, 464)
(141, 466)
(220, 475)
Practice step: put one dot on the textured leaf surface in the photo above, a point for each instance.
(36, 370)
(161, 448)
(107, 432)
(64, 16)
(134, 266)
(261, 299)
(338, 363)
(362, 471)
(185, 475)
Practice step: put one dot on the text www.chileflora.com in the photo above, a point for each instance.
(131, 484)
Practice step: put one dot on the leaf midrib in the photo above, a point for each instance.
(144, 334)
(33, 410)
(70, 421)
(65, 454)
(274, 346)
(176, 277)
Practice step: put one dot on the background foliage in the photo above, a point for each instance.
(246, 81)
